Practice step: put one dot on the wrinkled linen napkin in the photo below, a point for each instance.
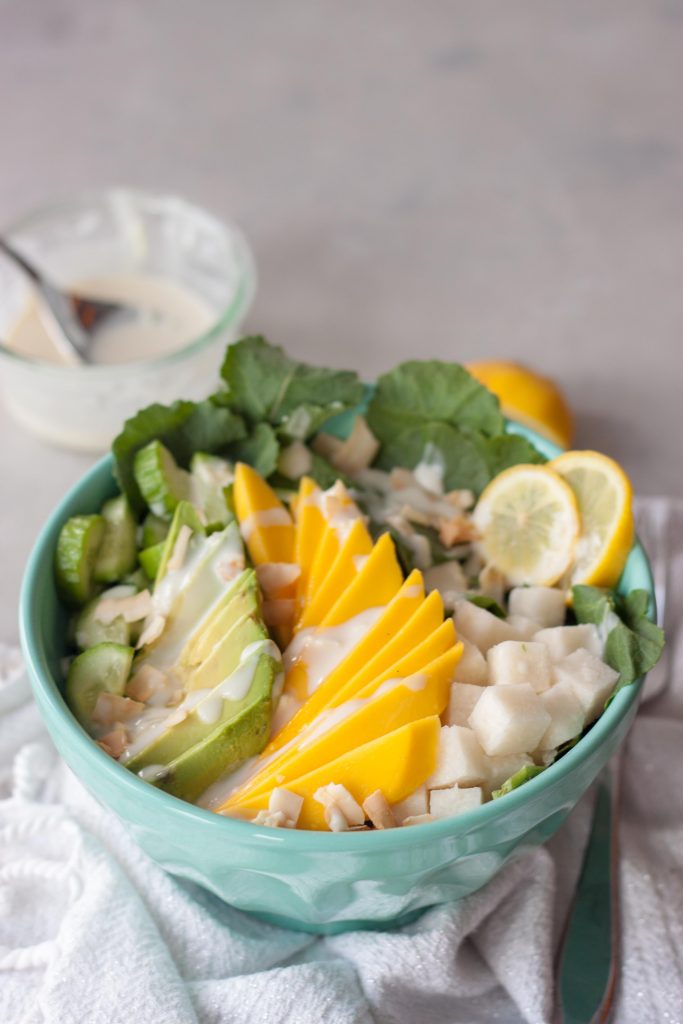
(93, 932)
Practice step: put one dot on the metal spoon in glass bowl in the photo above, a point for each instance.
(77, 318)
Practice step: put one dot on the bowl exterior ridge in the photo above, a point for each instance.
(319, 882)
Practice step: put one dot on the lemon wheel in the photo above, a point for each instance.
(605, 498)
(528, 523)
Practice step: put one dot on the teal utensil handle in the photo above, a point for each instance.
(589, 964)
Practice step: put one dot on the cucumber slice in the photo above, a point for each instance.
(154, 530)
(101, 669)
(88, 631)
(150, 559)
(117, 554)
(77, 548)
(162, 483)
(184, 515)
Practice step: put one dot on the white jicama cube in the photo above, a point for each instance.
(445, 802)
(567, 715)
(591, 679)
(472, 667)
(413, 806)
(564, 640)
(461, 704)
(545, 605)
(509, 719)
(517, 661)
(459, 760)
(502, 767)
(525, 629)
(481, 628)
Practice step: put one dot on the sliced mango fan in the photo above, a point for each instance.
(318, 570)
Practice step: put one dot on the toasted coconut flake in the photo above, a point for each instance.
(401, 478)
(456, 530)
(180, 547)
(274, 577)
(336, 821)
(335, 795)
(379, 812)
(273, 819)
(286, 802)
(131, 609)
(460, 499)
(147, 682)
(114, 742)
(111, 709)
(154, 627)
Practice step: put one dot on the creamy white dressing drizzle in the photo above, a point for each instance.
(152, 772)
(266, 517)
(431, 469)
(321, 650)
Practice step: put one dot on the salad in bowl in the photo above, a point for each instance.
(314, 605)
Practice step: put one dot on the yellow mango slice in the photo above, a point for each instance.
(396, 763)
(382, 635)
(266, 524)
(339, 512)
(377, 582)
(356, 545)
(310, 525)
(441, 641)
(338, 730)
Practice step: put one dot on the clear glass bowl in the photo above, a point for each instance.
(121, 231)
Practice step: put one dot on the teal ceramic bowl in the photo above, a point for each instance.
(317, 882)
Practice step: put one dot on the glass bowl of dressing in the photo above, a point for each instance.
(191, 276)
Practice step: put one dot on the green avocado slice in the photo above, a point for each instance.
(229, 744)
(225, 727)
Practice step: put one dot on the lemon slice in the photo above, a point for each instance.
(528, 523)
(528, 397)
(605, 499)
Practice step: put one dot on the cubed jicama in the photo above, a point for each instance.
(445, 802)
(564, 640)
(545, 605)
(567, 715)
(525, 629)
(519, 661)
(459, 760)
(480, 626)
(509, 719)
(413, 806)
(448, 578)
(502, 767)
(461, 703)
(591, 679)
(472, 667)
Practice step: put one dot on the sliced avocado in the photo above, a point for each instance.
(117, 553)
(225, 654)
(243, 598)
(226, 748)
(238, 730)
(101, 669)
(77, 547)
(184, 515)
(154, 530)
(228, 698)
(212, 477)
(187, 597)
(162, 483)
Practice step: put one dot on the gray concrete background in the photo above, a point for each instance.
(447, 179)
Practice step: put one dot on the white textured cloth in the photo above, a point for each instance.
(93, 932)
